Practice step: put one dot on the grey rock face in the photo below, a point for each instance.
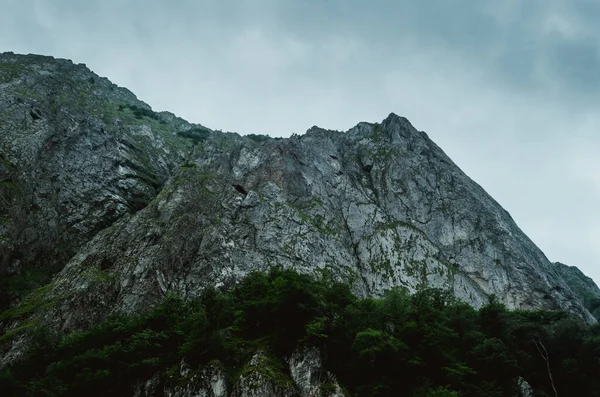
(413, 218)
(525, 389)
(257, 381)
(147, 212)
(210, 382)
(76, 154)
(584, 288)
(306, 369)
(148, 388)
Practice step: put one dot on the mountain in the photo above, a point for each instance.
(116, 206)
(584, 287)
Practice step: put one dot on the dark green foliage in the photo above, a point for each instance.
(140, 112)
(196, 134)
(258, 137)
(427, 344)
(592, 303)
(15, 287)
(584, 287)
(27, 280)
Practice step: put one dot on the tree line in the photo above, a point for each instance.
(424, 344)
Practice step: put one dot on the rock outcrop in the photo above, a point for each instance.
(136, 204)
(76, 153)
(413, 219)
(304, 377)
(582, 286)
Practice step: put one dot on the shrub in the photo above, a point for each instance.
(195, 134)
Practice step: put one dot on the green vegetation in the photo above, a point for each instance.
(140, 112)
(196, 134)
(11, 71)
(592, 303)
(426, 344)
(258, 137)
(377, 128)
(26, 281)
(318, 221)
(396, 224)
(8, 185)
(583, 286)
(305, 210)
(33, 302)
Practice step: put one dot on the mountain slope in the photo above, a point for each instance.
(584, 287)
(379, 206)
(76, 153)
(138, 204)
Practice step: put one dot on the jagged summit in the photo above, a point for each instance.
(132, 204)
(394, 118)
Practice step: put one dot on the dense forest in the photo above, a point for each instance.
(424, 344)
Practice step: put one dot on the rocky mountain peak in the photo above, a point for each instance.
(130, 204)
(403, 122)
(112, 208)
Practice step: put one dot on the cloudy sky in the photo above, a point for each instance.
(509, 89)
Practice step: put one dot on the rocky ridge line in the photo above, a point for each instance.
(149, 204)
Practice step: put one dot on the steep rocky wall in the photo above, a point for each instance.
(76, 153)
(378, 206)
(144, 204)
(582, 286)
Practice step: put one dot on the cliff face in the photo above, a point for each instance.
(379, 206)
(132, 204)
(583, 287)
(76, 153)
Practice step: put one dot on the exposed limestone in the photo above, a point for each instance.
(210, 382)
(259, 378)
(414, 219)
(307, 371)
(525, 389)
(142, 209)
(76, 153)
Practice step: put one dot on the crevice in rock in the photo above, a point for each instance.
(35, 114)
(240, 189)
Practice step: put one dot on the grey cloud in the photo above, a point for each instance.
(511, 50)
(579, 65)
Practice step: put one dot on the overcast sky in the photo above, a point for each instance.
(509, 89)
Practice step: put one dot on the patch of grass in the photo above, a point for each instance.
(5, 162)
(140, 112)
(317, 221)
(11, 71)
(29, 305)
(95, 274)
(13, 333)
(327, 389)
